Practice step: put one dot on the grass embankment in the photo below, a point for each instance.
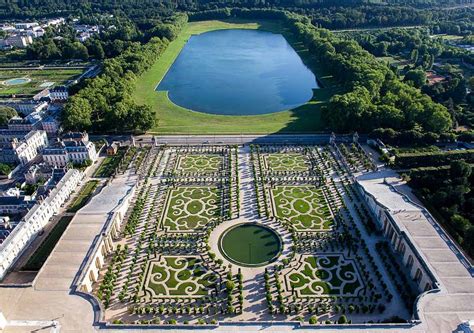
(83, 196)
(39, 257)
(173, 119)
(109, 165)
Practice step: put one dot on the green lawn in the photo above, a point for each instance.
(448, 37)
(83, 196)
(109, 164)
(397, 62)
(39, 79)
(38, 258)
(173, 119)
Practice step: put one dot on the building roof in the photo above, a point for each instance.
(10, 201)
(438, 251)
(74, 135)
(72, 144)
(54, 151)
(374, 184)
(58, 89)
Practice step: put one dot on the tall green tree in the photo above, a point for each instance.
(6, 113)
(77, 114)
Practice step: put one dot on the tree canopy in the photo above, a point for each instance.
(6, 113)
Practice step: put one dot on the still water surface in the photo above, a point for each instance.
(238, 72)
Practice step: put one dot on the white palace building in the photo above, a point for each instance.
(60, 188)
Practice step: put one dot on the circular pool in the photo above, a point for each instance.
(250, 245)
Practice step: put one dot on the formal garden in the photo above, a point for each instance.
(160, 266)
(312, 247)
(190, 208)
(331, 274)
(325, 274)
(305, 207)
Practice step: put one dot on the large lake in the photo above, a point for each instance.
(238, 72)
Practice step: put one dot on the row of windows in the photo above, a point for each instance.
(392, 236)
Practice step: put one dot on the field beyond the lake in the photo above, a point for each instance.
(173, 119)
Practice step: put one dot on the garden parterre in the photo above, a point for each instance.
(200, 163)
(325, 274)
(191, 208)
(303, 206)
(180, 276)
(331, 271)
(164, 268)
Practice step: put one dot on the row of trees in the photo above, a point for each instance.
(434, 158)
(375, 97)
(105, 103)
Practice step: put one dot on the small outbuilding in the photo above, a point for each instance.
(112, 148)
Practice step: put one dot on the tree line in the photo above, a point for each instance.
(437, 158)
(330, 14)
(421, 50)
(447, 191)
(374, 96)
(105, 103)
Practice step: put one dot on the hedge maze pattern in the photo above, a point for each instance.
(324, 275)
(191, 208)
(185, 276)
(304, 206)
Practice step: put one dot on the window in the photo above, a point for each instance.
(401, 249)
(410, 262)
(418, 275)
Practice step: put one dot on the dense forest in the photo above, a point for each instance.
(423, 51)
(375, 96)
(447, 191)
(330, 14)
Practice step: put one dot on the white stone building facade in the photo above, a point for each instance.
(36, 218)
(389, 223)
(21, 147)
(70, 151)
